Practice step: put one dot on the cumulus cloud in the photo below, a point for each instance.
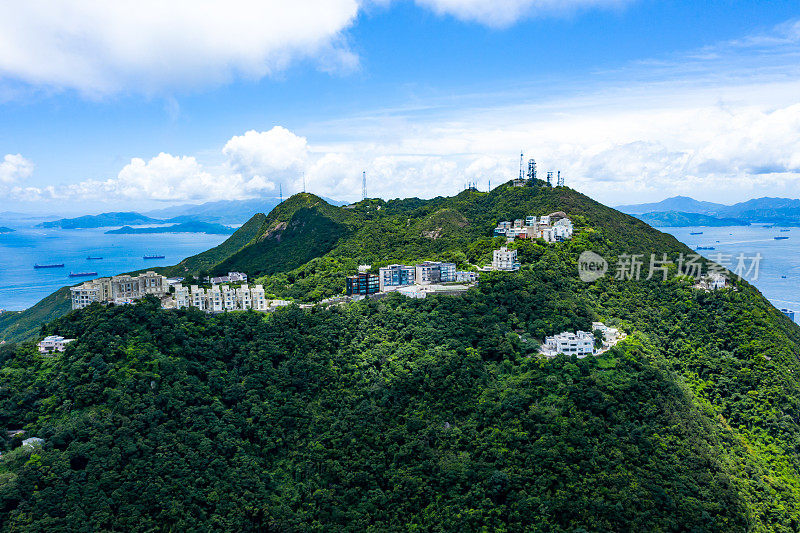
(500, 13)
(148, 45)
(268, 152)
(15, 168)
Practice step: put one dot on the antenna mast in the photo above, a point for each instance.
(521, 158)
(560, 179)
(280, 189)
(304, 181)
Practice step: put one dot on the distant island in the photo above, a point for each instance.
(4, 229)
(675, 219)
(100, 221)
(778, 211)
(186, 227)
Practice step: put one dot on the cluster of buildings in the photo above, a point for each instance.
(119, 289)
(221, 298)
(555, 227)
(581, 343)
(53, 343)
(393, 277)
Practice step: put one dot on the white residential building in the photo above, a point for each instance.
(119, 289)
(53, 343)
(505, 259)
(222, 298)
(580, 343)
(434, 272)
(232, 277)
(466, 276)
(562, 229)
(610, 335)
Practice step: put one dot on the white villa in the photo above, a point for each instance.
(581, 343)
(53, 343)
(505, 259)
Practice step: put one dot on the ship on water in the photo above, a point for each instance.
(81, 274)
(152, 256)
(780, 238)
(696, 233)
(93, 257)
(51, 265)
(705, 248)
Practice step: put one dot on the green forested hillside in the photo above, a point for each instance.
(413, 415)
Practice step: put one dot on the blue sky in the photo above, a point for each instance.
(632, 100)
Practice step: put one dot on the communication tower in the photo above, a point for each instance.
(364, 185)
(560, 179)
(550, 178)
(531, 169)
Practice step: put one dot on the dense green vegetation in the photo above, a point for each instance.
(402, 414)
(23, 325)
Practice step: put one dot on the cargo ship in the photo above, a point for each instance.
(152, 256)
(780, 238)
(93, 257)
(81, 274)
(696, 233)
(705, 248)
(52, 265)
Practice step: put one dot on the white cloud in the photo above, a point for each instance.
(15, 168)
(153, 46)
(500, 13)
(149, 45)
(267, 152)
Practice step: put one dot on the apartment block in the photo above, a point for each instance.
(396, 276)
(363, 284)
(119, 289)
(435, 272)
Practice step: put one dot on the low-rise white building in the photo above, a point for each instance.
(232, 277)
(466, 276)
(53, 343)
(505, 259)
(580, 343)
(712, 281)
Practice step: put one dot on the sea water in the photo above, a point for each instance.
(21, 285)
(778, 276)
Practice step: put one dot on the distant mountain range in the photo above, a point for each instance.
(677, 219)
(223, 212)
(779, 211)
(186, 227)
